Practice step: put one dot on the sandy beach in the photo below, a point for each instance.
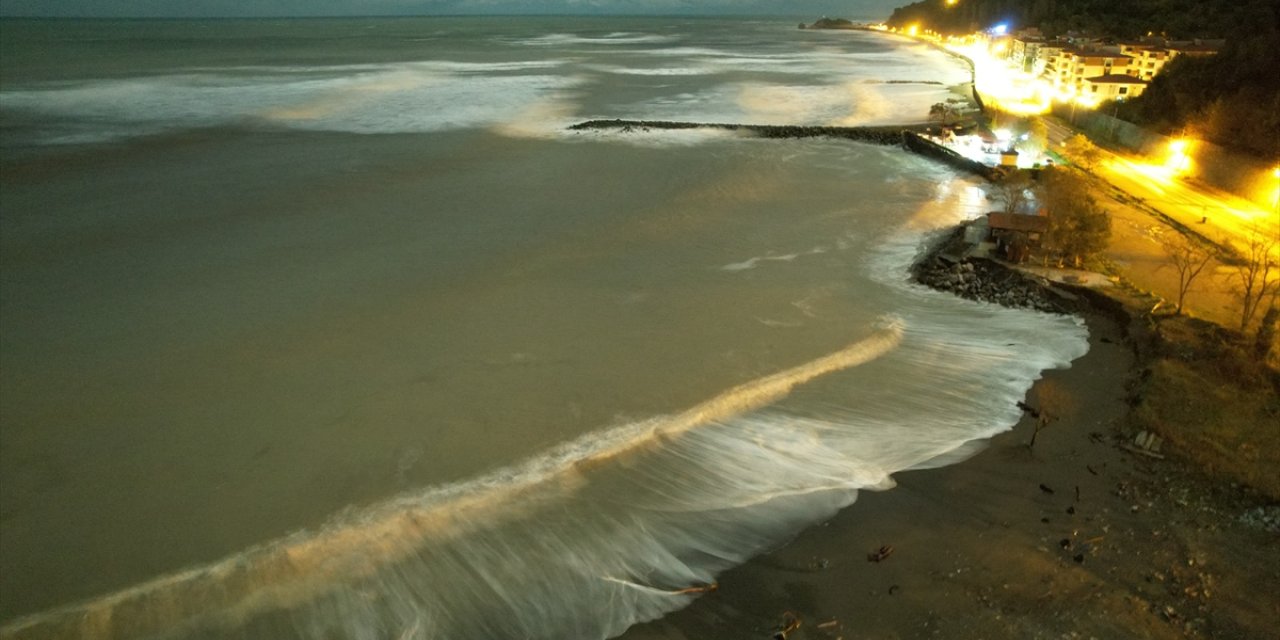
(1076, 538)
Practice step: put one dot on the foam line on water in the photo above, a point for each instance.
(378, 572)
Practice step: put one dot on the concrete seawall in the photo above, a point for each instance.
(916, 143)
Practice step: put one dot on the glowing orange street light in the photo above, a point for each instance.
(952, 3)
(1178, 161)
(1276, 172)
(913, 30)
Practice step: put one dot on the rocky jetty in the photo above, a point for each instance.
(987, 280)
(874, 135)
(907, 136)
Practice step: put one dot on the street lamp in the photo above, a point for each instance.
(1276, 201)
(1179, 161)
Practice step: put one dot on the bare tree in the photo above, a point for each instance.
(1257, 277)
(1055, 403)
(1012, 191)
(1188, 259)
(944, 112)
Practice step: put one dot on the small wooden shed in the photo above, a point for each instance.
(1016, 234)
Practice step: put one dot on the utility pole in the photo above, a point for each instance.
(1114, 119)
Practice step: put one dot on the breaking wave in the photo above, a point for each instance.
(601, 533)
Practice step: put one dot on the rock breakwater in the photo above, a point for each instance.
(985, 280)
(876, 135)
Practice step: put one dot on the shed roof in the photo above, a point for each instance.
(1017, 222)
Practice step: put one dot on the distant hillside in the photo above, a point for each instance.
(1232, 98)
(1127, 19)
(831, 23)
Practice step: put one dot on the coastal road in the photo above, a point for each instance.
(1135, 245)
(1219, 216)
(1216, 215)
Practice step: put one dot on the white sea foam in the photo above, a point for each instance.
(343, 69)
(418, 97)
(752, 262)
(844, 104)
(655, 138)
(652, 71)
(563, 39)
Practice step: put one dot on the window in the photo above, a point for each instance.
(1124, 90)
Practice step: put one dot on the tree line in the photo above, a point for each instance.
(1232, 98)
(1178, 19)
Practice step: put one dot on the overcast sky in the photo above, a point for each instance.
(221, 8)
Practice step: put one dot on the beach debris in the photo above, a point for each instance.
(1147, 444)
(1077, 493)
(1065, 543)
(790, 622)
(1265, 518)
(1046, 488)
(1091, 469)
(830, 624)
(1148, 441)
(880, 554)
(1079, 558)
(1034, 412)
(894, 589)
(1071, 511)
(705, 588)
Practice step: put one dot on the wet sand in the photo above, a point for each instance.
(1077, 537)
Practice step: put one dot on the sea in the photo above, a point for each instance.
(334, 329)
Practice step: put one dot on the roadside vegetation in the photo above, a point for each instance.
(1078, 227)
(1205, 391)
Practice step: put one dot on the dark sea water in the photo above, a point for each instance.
(331, 328)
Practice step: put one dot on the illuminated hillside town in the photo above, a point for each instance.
(1020, 74)
(1024, 72)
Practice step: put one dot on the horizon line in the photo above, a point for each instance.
(407, 15)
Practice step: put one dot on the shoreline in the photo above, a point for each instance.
(1077, 536)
